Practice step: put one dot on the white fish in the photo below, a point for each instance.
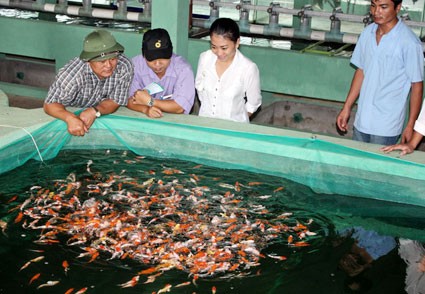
(48, 284)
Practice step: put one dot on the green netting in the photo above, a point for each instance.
(323, 166)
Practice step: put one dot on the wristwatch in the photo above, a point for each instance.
(98, 114)
(150, 103)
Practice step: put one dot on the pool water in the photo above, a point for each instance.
(280, 236)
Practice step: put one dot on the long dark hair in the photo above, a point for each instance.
(227, 28)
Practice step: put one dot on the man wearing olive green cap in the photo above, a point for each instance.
(97, 81)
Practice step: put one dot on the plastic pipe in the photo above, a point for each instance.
(62, 8)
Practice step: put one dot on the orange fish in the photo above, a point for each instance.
(94, 256)
(147, 271)
(82, 290)
(65, 266)
(301, 244)
(19, 217)
(133, 282)
(213, 290)
(182, 284)
(195, 277)
(12, 199)
(278, 189)
(69, 291)
(254, 183)
(35, 277)
(290, 239)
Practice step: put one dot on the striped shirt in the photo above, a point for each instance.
(77, 85)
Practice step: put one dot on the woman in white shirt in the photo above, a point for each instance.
(227, 82)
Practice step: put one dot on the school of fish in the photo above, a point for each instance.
(163, 222)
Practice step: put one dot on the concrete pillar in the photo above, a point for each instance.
(173, 15)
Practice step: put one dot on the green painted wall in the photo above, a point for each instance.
(282, 71)
(293, 72)
(172, 22)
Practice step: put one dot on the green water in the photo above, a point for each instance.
(311, 269)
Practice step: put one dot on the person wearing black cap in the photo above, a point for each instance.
(98, 80)
(163, 81)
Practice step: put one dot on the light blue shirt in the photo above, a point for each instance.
(389, 70)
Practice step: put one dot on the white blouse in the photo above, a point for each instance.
(234, 94)
(420, 122)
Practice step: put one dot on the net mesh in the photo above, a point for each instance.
(323, 166)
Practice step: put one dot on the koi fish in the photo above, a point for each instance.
(133, 282)
(152, 278)
(195, 277)
(19, 217)
(254, 183)
(148, 271)
(35, 277)
(213, 289)
(69, 291)
(301, 244)
(25, 265)
(290, 239)
(12, 199)
(82, 290)
(277, 257)
(37, 259)
(182, 284)
(167, 288)
(231, 240)
(48, 284)
(278, 189)
(65, 266)
(3, 227)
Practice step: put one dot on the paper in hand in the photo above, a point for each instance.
(153, 88)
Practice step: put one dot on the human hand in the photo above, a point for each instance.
(88, 117)
(405, 148)
(154, 112)
(141, 97)
(421, 264)
(342, 119)
(407, 134)
(76, 126)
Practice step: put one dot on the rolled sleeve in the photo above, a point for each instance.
(253, 92)
(420, 122)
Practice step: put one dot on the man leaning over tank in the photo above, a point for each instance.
(170, 74)
(390, 64)
(98, 81)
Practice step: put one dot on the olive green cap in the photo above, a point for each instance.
(100, 45)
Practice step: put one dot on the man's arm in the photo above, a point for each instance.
(75, 125)
(353, 94)
(141, 99)
(415, 107)
(88, 116)
(405, 148)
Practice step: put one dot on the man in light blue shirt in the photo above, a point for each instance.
(390, 64)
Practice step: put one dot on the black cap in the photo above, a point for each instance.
(157, 45)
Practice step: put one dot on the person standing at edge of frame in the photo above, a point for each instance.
(390, 64)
